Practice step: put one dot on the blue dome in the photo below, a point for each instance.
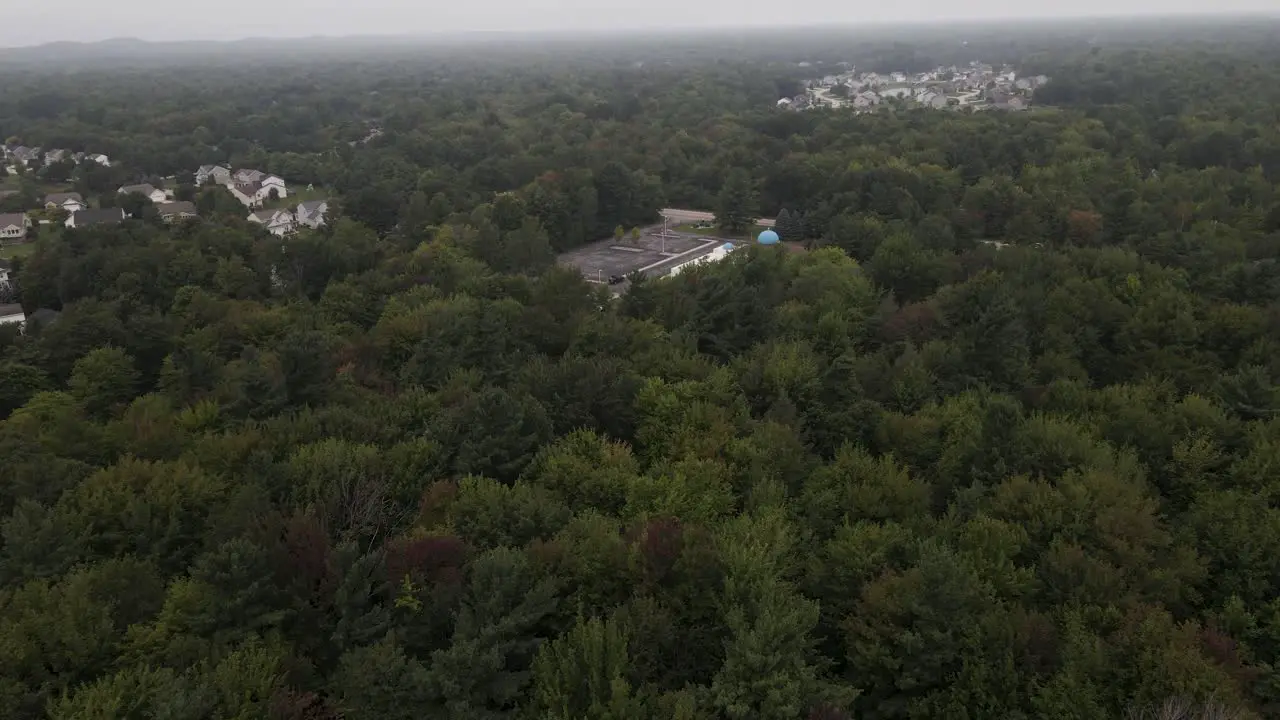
(768, 237)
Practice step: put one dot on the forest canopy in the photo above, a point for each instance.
(994, 434)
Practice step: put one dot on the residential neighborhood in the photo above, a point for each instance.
(27, 157)
(259, 192)
(277, 222)
(977, 86)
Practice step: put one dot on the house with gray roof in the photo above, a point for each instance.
(148, 190)
(175, 211)
(14, 227)
(71, 202)
(312, 212)
(87, 218)
(213, 173)
(277, 222)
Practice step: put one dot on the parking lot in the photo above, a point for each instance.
(601, 260)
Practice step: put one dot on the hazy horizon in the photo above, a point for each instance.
(286, 19)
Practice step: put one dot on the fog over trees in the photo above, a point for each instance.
(992, 433)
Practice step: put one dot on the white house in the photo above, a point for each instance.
(213, 173)
(277, 222)
(14, 226)
(99, 158)
(71, 202)
(151, 192)
(246, 175)
(312, 213)
(12, 313)
(254, 194)
(22, 155)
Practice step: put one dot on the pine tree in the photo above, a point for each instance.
(783, 226)
(583, 674)
(736, 204)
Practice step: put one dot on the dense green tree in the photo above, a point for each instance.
(995, 436)
(736, 203)
(103, 380)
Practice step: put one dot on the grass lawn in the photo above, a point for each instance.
(17, 251)
(10, 182)
(717, 232)
(302, 194)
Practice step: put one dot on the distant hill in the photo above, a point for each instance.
(133, 51)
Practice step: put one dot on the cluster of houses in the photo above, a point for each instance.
(253, 188)
(977, 86)
(284, 222)
(15, 155)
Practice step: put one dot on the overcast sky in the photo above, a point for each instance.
(88, 20)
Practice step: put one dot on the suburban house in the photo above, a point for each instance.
(54, 156)
(85, 218)
(175, 211)
(99, 158)
(5, 268)
(22, 155)
(245, 175)
(14, 226)
(312, 213)
(277, 222)
(71, 202)
(933, 100)
(254, 193)
(151, 192)
(866, 100)
(12, 313)
(213, 173)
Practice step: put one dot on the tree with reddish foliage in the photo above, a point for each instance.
(1084, 227)
(425, 559)
(659, 545)
(291, 704)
